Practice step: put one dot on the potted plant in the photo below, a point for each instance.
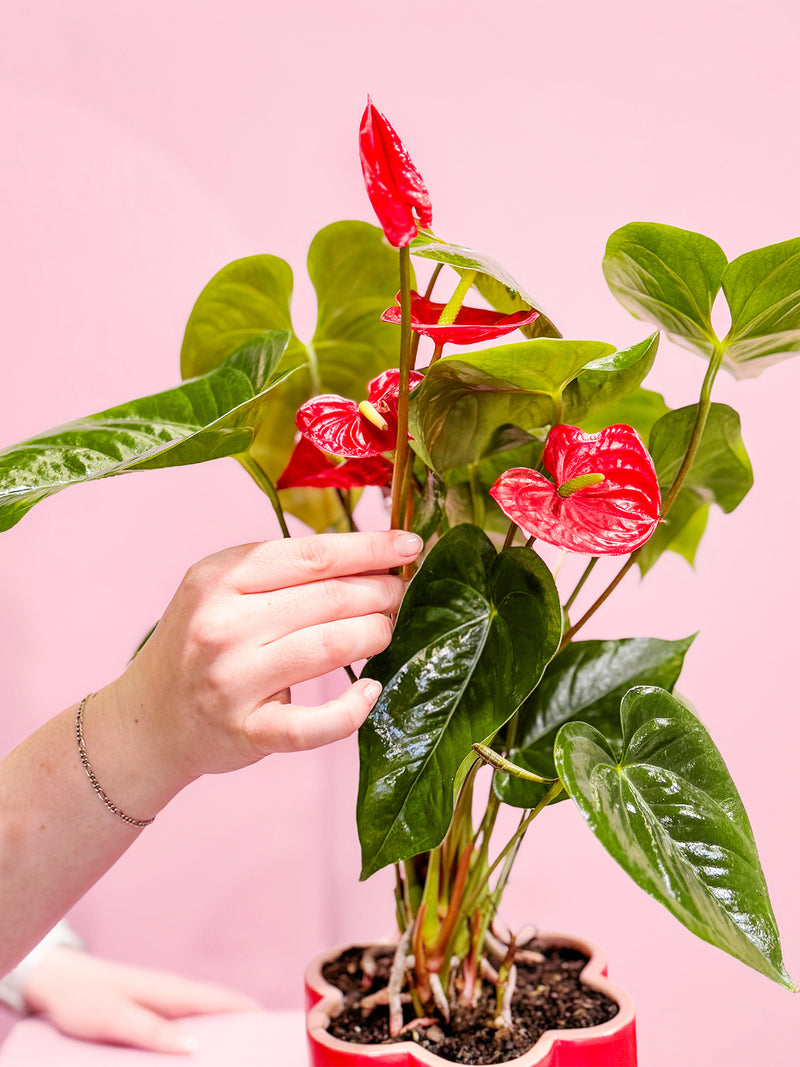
(500, 457)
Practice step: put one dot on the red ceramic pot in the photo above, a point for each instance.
(611, 1044)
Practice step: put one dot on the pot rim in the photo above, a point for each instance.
(592, 975)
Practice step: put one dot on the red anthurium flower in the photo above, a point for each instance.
(471, 324)
(308, 466)
(394, 185)
(345, 428)
(605, 499)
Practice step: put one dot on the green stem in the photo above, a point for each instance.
(427, 295)
(512, 531)
(703, 408)
(344, 500)
(401, 451)
(581, 582)
(478, 510)
(453, 305)
(524, 823)
(264, 483)
(437, 354)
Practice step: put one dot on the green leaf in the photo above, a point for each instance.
(464, 401)
(720, 474)
(494, 282)
(205, 418)
(667, 276)
(641, 409)
(608, 380)
(668, 812)
(507, 301)
(585, 682)
(763, 293)
(473, 636)
(355, 275)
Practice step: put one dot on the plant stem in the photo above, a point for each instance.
(582, 581)
(524, 823)
(703, 408)
(437, 354)
(427, 295)
(401, 452)
(475, 492)
(512, 531)
(264, 483)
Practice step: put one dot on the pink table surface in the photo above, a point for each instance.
(246, 1039)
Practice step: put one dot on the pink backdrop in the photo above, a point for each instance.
(145, 146)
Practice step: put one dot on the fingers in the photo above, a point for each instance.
(126, 1023)
(172, 996)
(269, 616)
(289, 728)
(273, 565)
(317, 650)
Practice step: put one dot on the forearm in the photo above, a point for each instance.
(57, 837)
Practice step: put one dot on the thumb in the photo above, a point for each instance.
(292, 727)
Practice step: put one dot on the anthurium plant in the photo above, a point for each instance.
(498, 455)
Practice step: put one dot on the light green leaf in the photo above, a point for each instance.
(668, 812)
(465, 400)
(355, 275)
(763, 293)
(720, 474)
(667, 276)
(205, 418)
(473, 636)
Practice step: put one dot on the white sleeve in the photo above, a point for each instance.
(12, 987)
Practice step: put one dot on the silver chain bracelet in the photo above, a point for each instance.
(93, 778)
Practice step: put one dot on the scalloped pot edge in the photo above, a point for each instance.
(611, 1044)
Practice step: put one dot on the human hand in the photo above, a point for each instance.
(209, 691)
(97, 1000)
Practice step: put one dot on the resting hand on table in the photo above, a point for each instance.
(96, 1000)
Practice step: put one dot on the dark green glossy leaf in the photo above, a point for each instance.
(763, 293)
(465, 400)
(473, 636)
(667, 276)
(205, 418)
(668, 812)
(355, 275)
(720, 474)
(585, 682)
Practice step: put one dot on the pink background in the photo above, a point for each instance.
(144, 146)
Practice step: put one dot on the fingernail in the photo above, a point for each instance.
(372, 691)
(187, 1043)
(408, 544)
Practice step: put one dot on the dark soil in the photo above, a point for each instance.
(549, 996)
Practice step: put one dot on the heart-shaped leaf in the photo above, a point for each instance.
(205, 418)
(585, 682)
(668, 276)
(720, 474)
(641, 409)
(668, 812)
(355, 275)
(475, 631)
(672, 277)
(763, 293)
(465, 400)
(493, 281)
